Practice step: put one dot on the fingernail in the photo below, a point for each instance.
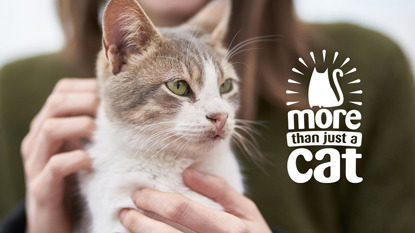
(123, 213)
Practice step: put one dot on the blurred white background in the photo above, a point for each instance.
(395, 19)
(31, 27)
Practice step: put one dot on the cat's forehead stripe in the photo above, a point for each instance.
(196, 62)
(219, 71)
(192, 56)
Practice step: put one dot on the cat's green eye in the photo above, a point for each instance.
(226, 86)
(179, 87)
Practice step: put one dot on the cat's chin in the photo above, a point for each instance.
(211, 140)
(206, 144)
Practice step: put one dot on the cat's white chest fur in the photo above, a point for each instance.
(120, 168)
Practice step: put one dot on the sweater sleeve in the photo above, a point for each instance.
(15, 222)
(24, 87)
(384, 201)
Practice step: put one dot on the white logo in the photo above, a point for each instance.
(321, 127)
(321, 92)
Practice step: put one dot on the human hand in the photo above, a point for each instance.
(52, 150)
(240, 215)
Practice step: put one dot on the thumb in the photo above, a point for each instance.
(220, 191)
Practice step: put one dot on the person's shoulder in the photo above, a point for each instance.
(33, 71)
(375, 53)
(351, 35)
(33, 61)
(31, 64)
(355, 40)
(381, 64)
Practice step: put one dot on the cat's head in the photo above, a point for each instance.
(173, 84)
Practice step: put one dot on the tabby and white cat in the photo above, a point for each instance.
(168, 102)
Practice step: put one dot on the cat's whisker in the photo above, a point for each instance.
(168, 144)
(250, 41)
(162, 139)
(241, 51)
(231, 53)
(253, 40)
(181, 149)
(153, 138)
(159, 141)
(235, 63)
(201, 53)
(249, 144)
(250, 122)
(250, 150)
(176, 133)
(248, 130)
(234, 37)
(191, 41)
(145, 126)
(156, 135)
(152, 125)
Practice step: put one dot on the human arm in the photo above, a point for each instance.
(51, 151)
(385, 200)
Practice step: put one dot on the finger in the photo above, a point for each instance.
(184, 211)
(72, 85)
(136, 222)
(76, 85)
(51, 137)
(221, 192)
(60, 105)
(48, 188)
(66, 104)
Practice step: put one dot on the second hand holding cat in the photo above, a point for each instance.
(51, 151)
(240, 213)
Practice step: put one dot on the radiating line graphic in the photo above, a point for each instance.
(312, 57)
(335, 56)
(345, 62)
(354, 81)
(355, 102)
(302, 61)
(297, 71)
(321, 79)
(291, 103)
(291, 92)
(293, 81)
(351, 71)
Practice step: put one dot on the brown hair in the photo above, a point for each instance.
(266, 69)
(82, 30)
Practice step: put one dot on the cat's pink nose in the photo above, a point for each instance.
(219, 119)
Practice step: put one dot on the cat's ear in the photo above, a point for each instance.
(126, 30)
(213, 19)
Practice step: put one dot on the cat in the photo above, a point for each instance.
(168, 101)
(320, 92)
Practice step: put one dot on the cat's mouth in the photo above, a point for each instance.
(212, 136)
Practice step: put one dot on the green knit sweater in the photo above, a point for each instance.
(383, 202)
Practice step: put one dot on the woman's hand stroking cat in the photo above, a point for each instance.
(241, 214)
(51, 151)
